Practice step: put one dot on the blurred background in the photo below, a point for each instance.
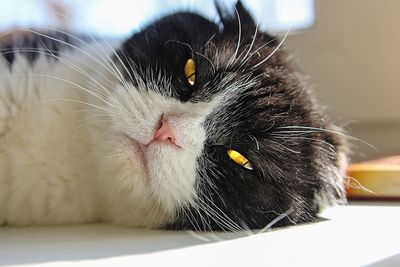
(349, 49)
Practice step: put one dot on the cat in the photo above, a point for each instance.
(187, 124)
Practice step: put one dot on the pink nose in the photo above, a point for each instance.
(165, 132)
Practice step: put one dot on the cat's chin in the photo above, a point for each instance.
(164, 170)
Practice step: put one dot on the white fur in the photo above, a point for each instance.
(63, 161)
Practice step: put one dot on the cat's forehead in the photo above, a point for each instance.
(174, 38)
(222, 57)
(171, 36)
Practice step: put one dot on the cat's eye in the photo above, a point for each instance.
(190, 71)
(239, 159)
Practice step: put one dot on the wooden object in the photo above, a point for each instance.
(377, 179)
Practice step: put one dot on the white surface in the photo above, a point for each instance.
(356, 235)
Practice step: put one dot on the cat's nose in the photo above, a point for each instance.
(165, 132)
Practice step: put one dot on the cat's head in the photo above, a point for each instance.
(212, 128)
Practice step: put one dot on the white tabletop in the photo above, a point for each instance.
(355, 235)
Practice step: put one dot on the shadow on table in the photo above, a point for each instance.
(30, 245)
(388, 262)
(49, 244)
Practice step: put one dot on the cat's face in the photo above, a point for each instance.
(215, 130)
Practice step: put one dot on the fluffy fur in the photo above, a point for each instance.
(78, 117)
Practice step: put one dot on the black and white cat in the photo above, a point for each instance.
(188, 124)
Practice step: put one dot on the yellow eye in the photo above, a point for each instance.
(190, 71)
(239, 159)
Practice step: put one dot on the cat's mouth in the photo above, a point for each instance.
(163, 161)
(144, 153)
(136, 152)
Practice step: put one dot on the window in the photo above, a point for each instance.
(120, 17)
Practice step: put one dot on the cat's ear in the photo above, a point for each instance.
(230, 16)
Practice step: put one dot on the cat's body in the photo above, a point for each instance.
(52, 169)
(91, 132)
(47, 166)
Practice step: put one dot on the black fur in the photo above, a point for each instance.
(290, 167)
(32, 44)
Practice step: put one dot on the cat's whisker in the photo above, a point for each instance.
(221, 221)
(285, 147)
(130, 64)
(115, 66)
(255, 140)
(216, 56)
(88, 110)
(246, 228)
(92, 49)
(293, 129)
(233, 58)
(69, 82)
(256, 51)
(75, 101)
(273, 51)
(84, 124)
(93, 81)
(136, 77)
(217, 218)
(205, 220)
(198, 236)
(211, 185)
(181, 43)
(106, 61)
(72, 21)
(231, 138)
(289, 138)
(208, 211)
(209, 41)
(93, 122)
(189, 217)
(140, 105)
(155, 210)
(206, 58)
(106, 57)
(88, 45)
(76, 48)
(208, 185)
(67, 63)
(220, 213)
(276, 220)
(354, 183)
(89, 119)
(252, 43)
